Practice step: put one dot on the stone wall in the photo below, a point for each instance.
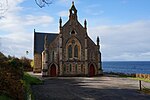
(37, 63)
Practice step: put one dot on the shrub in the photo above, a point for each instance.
(11, 74)
(26, 63)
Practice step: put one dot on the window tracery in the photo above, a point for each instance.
(73, 48)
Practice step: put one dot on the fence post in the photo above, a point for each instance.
(140, 85)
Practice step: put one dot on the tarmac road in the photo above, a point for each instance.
(89, 88)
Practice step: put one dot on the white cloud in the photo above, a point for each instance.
(145, 54)
(15, 29)
(63, 14)
(124, 42)
(38, 20)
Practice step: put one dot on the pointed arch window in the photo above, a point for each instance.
(70, 51)
(53, 55)
(76, 51)
(76, 68)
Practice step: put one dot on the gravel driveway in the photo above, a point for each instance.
(89, 88)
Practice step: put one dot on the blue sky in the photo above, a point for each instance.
(122, 25)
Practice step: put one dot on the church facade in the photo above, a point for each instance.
(70, 52)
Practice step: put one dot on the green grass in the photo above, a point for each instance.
(31, 80)
(28, 80)
(144, 90)
(142, 79)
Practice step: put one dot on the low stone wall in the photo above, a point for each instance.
(145, 76)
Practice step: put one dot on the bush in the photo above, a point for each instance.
(26, 63)
(32, 63)
(11, 74)
(10, 83)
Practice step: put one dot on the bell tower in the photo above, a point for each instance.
(73, 12)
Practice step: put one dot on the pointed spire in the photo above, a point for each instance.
(98, 41)
(73, 12)
(72, 3)
(60, 23)
(85, 24)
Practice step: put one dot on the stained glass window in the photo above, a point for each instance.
(76, 51)
(70, 51)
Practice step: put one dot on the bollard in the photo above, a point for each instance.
(140, 85)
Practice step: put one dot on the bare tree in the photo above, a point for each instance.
(42, 3)
(3, 7)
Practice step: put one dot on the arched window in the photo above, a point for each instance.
(53, 55)
(76, 68)
(76, 51)
(73, 32)
(70, 51)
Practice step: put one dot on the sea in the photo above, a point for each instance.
(127, 67)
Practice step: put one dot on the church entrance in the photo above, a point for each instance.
(91, 70)
(53, 70)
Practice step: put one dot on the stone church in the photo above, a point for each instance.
(71, 52)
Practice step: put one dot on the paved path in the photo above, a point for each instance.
(86, 88)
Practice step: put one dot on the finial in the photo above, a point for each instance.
(85, 23)
(98, 40)
(72, 2)
(60, 22)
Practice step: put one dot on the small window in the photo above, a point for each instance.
(76, 68)
(70, 68)
(53, 56)
(73, 32)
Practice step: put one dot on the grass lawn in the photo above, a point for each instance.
(144, 89)
(28, 80)
(142, 79)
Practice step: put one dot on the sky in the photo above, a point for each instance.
(122, 25)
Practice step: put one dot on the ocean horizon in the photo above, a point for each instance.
(127, 67)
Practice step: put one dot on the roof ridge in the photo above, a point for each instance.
(46, 33)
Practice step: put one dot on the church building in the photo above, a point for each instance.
(71, 52)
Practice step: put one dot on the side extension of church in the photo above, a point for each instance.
(70, 52)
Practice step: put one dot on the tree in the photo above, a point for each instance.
(42, 3)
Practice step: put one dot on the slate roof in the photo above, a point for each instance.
(39, 40)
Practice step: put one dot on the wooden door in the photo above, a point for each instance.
(53, 71)
(91, 70)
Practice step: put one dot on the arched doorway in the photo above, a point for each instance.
(91, 70)
(53, 70)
